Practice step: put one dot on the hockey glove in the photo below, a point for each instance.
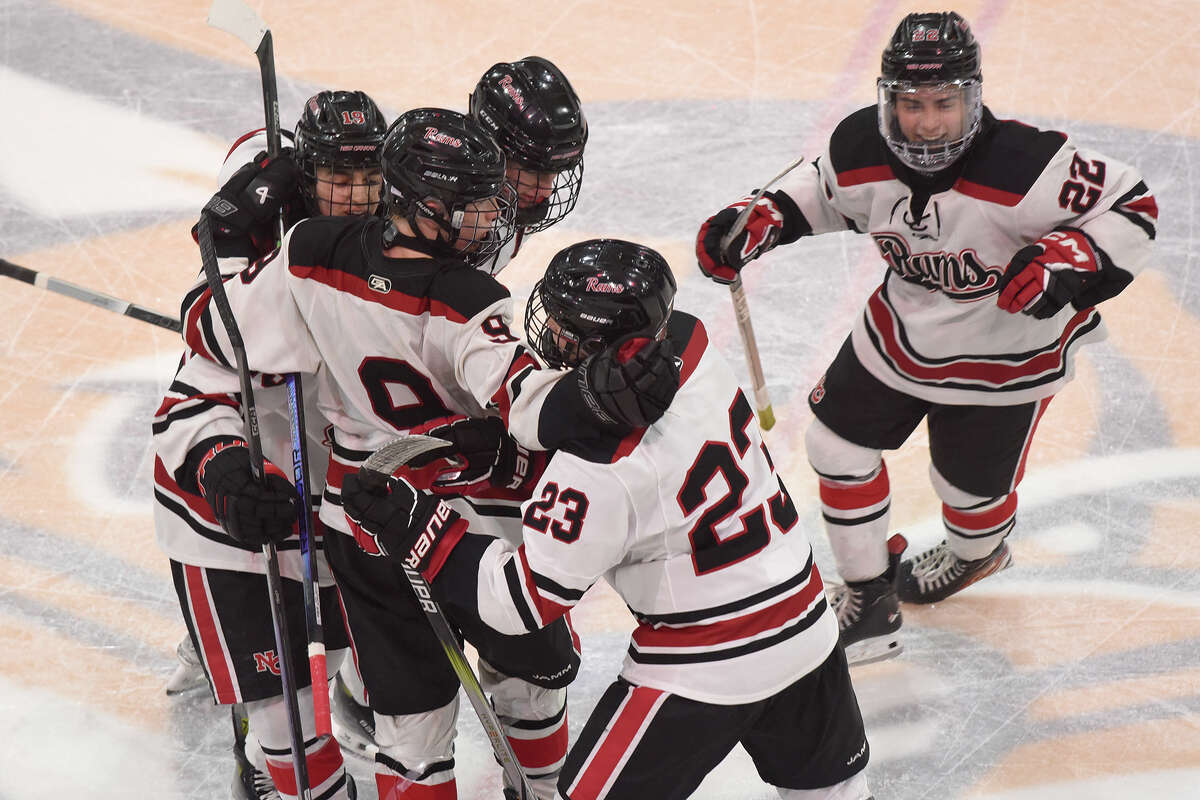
(251, 512)
(630, 383)
(1046, 275)
(483, 456)
(254, 196)
(388, 517)
(763, 230)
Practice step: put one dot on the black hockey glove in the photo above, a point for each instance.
(482, 456)
(630, 383)
(253, 513)
(1046, 275)
(254, 196)
(388, 517)
(764, 229)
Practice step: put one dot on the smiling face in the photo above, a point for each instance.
(931, 114)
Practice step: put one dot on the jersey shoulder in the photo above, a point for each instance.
(857, 153)
(1007, 160)
(465, 291)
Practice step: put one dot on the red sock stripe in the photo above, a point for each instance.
(393, 787)
(535, 754)
(1042, 406)
(981, 521)
(851, 496)
(619, 738)
(205, 620)
(324, 764)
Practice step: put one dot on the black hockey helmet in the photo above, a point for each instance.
(442, 166)
(532, 111)
(340, 131)
(931, 51)
(594, 293)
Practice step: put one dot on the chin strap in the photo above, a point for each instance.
(392, 237)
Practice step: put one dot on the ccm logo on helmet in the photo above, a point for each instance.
(428, 536)
(434, 135)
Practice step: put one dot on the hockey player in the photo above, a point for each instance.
(689, 523)
(999, 239)
(216, 557)
(402, 328)
(531, 110)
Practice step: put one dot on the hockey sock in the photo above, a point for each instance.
(975, 532)
(416, 743)
(857, 512)
(326, 772)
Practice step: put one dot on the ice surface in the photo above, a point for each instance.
(1074, 674)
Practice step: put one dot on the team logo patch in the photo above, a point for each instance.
(378, 283)
(604, 287)
(434, 135)
(512, 91)
(266, 661)
(818, 392)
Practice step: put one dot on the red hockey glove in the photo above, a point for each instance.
(254, 196)
(1046, 275)
(483, 456)
(763, 229)
(251, 512)
(391, 518)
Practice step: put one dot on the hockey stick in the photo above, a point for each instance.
(212, 274)
(116, 305)
(235, 18)
(384, 462)
(741, 310)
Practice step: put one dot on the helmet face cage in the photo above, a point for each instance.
(964, 114)
(552, 194)
(337, 146)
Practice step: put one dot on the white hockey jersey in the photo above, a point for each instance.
(183, 522)
(689, 523)
(933, 329)
(397, 342)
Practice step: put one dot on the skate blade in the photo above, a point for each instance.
(356, 746)
(869, 651)
(184, 680)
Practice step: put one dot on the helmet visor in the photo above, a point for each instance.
(929, 125)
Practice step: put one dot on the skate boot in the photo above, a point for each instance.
(353, 724)
(250, 782)
(868, 612)
(189, 675)
(937, 573)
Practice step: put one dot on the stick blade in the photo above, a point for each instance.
(399, 452)
(235, 17)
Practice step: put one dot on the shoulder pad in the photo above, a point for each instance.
(857, 153)
(1007, 160)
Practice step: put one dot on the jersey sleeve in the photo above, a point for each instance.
(201, 406)
(268, 303)
(1105, 199)
(575, 529)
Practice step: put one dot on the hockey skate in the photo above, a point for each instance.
(189, 675)
(250, 782)
(868, 612)
(353, 724)
(937, 573)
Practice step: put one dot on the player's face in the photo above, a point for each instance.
(930, 114)
(567, 347)
(479, 218)
(532, 187)
(344, 192)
